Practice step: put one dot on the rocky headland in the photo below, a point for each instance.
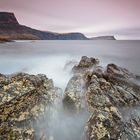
(109, 95)
(11, 29)
(104, 38)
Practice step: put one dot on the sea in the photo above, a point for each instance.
(51, 57)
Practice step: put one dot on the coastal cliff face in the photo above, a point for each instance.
(11, 29)
(109, 95)
(8, 19)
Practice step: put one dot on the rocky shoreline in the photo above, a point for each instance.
(106, 93)
(3, 40)
(11, 29)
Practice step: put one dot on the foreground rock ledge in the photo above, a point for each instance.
(106, 92)
(110, 95)
(23, 101)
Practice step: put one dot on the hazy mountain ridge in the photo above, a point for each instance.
(10, 29)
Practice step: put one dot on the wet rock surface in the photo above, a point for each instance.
(23, 101)
(85, 64)
(106, 91)
(108, 95)
(74, 93)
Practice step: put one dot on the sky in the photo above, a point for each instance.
(91, 17)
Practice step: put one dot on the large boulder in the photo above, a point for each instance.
(107, 122)
(106, 91)
(24, 99)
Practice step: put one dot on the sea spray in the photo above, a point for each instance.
(62, 125)
(59, 124)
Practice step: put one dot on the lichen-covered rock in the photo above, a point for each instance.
(107, 124)
(85, 63)
(109, 95)
(117, 71)
(106, 91)
(104, 94)
(74, 93)
(24, 99)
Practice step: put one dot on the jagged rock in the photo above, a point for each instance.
(119, 72)
(74, 93)
(117, 94)
(107, 90)
(107, 124)
(85, 63)
(107, 93)
(24, 99)
(103, 99)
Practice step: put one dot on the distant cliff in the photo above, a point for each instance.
(10, 29)
(103, 38)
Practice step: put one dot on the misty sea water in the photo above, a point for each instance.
(56, 59)
(50, 57)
